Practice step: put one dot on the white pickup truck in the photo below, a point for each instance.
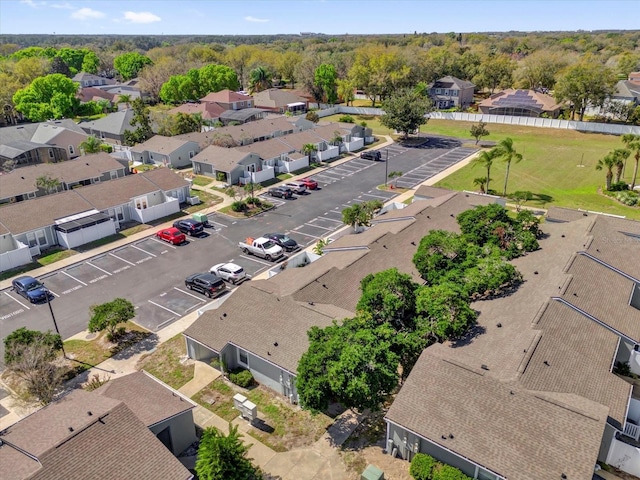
(261, 247)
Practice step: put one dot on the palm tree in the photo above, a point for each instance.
(633, 143)
(259, 79)
(608, 162)
(505, 152)
(48, 184)
(90, 145)
(126, 99)
(309, 149)
(480, 182)
(485, 159)
(621, 155)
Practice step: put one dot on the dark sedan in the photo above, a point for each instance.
(30, 288)
(280, 192)
(189, 226)
(288, 243)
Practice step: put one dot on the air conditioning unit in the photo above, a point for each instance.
(193, 200)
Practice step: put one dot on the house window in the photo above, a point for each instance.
(113, 174)
(243, 358)
(95, 180)
(191, 154)
(454, 93)
(438, 91)
(51, 153)
(71, 150)
(36, 238)
(31, 195)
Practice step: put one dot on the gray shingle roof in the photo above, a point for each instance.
(222, 159)
(275, 98)
(115, 192)
(114, 123)
(268, 149)
(161, 144)
(507, 430)
(165, 178)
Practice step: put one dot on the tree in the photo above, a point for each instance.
(621, 155)
(52, 96)
(478, 131)
(633, 144)
(494, 72)
(345, 90)
(47, 183)
(90, 145)
(481, 182)
(58, 66)
(309, 150)
(393, 176)
(521, 197)
(312, 117)
(129, 64)
(442, 254)
(286, 66)
(444, 310)
(213, 78)
(259, 79)
(583, 85)
(388, 297)
(107, 316)
(30, 355)
(608, 162)
(360, 214)
(405, 111)
(238, 58)
(539, 70)
(325, 78)
(504, 151)
(124, 98)
(224, 457)
(142, 119)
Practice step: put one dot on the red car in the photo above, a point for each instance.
(172, 235)
(309, 183)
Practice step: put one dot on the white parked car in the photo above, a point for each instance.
(297, 187)
(229, 271)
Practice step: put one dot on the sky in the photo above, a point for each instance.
(265, 17)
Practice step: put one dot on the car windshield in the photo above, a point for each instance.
(268, 244)
(33, 286)
(284, 238)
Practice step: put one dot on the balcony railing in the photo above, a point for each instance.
(631, 430)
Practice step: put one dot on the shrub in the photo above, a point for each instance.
(221, 176)
(313, 117)
(447, 472)
(106, 148)
(619, 187)
(422, 466)
(627, 197)
(238, 206)
(346, 119)
(241, 377)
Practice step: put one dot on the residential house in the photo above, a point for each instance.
(626, 91)
(88, 436)
(634, 77)
(277, 154)
(110, 129)
(94, 94)
(165, 151)
(209, 112)
(81, 215)
(230, 165)
(280, 101)
(21, 184)
(44, 142)
(85, 79)
(451, 92)
(521, 103)
(229, 100)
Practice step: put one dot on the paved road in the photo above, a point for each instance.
(151, 273)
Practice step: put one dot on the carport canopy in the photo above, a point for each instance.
(241, 115)
(84, 222)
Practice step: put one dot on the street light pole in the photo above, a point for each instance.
(386, 168)
(55, 324)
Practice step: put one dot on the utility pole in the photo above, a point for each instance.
(55, 324)
(386, 167)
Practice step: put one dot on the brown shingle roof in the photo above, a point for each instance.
(256, 320)
(617, 243)
(26, 216)
(267, 149)
(298, 140)
(428, 191)
(499, 426)
(208, 110)
(274, 97)
(226, 96)
(149, 399)
(116, 192)
(222, 159)
(165, 178)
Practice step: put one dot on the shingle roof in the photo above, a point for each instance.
(115, 192)
(268, 149)
(501, 427)
(256, 320)
(18, 147)
(616, 242)
(161, 144)
(165, 178)
(26, 216)
(627, 90)
(23, 180)
(222, 159)
(449, 81)
(48, 131)
(114, 123)
(208, 110)
(87, 94)
(428, 191)
(226, 96)
(274, 97)
(149, 399)
(298, 140)
(559, 214)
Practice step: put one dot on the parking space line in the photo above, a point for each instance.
(74, 278)
(160, 326)
(16, 300)
(120, 258)
(164, 308)
(256, 260)
(188, 293)
(102, 270)
(318, 226)
(329, 219)
(144, 251)
(376, 196)
(163, 243)
(308, 235)
(216, 223)
(54, 293)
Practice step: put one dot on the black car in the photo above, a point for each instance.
(280, 192)
(288, 243)
(206, 283)
(371, 155)
(189, 226)
(30, 288)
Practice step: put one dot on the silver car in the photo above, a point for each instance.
(229, 272)
(297, 187)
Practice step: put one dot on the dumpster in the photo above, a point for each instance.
(372, 473)
(201, 217)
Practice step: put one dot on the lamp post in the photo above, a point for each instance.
(55, 324)
(386, 167)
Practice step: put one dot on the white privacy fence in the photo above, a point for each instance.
(590, 127)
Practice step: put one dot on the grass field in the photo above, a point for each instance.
(550, 169)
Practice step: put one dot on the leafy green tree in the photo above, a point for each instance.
(608, 162)
(478, 223)
(361, 214)
(48, 183)
(479, 130)
(90, 62)
(259, 79)
(495, 72)
(520, 198)
(405, 111)
(539, 69)
(141, 119)
(52, 96)
(22, 337)
(224, 457)
(491, 276)
(125, 98)
(129, 64)
(444, 310)
(507, 153)
(90, 145)
(325, 78)
(107, 316)
(632, 142)
(312, 117)
(345, 90)
(440, 254)
(584, 84)
(481, 183)
(388, 297)
(59, 66)
(214, 78)
(287, 66)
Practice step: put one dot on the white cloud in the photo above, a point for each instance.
(33, 4)
(256, 20)
(141, 17)
(86, 14)
(65, 6)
